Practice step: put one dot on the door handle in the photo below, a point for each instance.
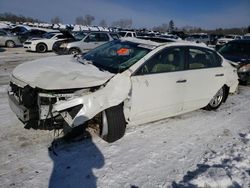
(181, 81)
(217, 75)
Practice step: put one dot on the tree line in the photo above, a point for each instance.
(127, 24)
(7, 16)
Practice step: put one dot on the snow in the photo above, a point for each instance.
(197, 149)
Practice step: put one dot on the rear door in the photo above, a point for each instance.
(205, 76)
(158, 86)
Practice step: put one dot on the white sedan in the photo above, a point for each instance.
(43, 44)
(127, 81)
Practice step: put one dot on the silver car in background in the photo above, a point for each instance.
(89, 42)
(8, 40)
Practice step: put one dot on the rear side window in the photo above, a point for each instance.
(102, 37)
(129, 35)
(97, 37)
(114, 36)
(202, 58)
(122, 34)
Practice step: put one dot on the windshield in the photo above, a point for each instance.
(229, 37)
(79, 35)
(236, 48)
(116, 56)
(48, 35)
(122, 34)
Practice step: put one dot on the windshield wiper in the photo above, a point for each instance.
(86, 62)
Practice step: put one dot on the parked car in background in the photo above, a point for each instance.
(45, 43)
(89, 42)
(199, 38)
(127, 33)
(238, 51)
(214, 38)
(127, 81)
(158, 39)
(226, 39)
(60, 47)
(170, 36)
(18, 30)
(246, 36)
(9, 40)
(29, 34)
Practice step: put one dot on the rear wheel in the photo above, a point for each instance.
(217, 99)
(41, 48)
(74, 51)
(10, 44)
(113, 123)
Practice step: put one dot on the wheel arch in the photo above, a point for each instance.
(9, 40)
(43, 44)
(75, 48)
(227, 88)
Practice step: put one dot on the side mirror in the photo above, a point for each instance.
(217, 47)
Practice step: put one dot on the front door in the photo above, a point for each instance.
(158, 86)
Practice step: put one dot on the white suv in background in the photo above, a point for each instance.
(127, 34)
(89, 42)
(227, 38)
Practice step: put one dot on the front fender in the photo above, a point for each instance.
(112, 94)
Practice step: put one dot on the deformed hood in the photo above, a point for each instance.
(60, 72)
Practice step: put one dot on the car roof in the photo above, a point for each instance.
(240, 41)
(156, 44)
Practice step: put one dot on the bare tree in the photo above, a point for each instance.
(89, 19)
(80, 20)
(56, 20)
(171, 25)
(8, 16)
(123, 23)
(162, 28)
(103, 23)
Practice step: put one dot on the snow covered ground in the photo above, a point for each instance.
(197, 149)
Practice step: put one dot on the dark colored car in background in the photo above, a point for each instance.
(238, 51)
(29, 34)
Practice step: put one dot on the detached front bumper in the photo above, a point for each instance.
(21, 111)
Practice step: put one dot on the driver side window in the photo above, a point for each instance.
(91, 38)
(168, 60)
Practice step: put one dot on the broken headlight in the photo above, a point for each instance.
(244, 68)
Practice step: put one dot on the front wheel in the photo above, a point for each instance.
(113, 123)
(41, 48)
(74, 51)
(217, 100)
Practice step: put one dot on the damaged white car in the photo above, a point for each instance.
(127, 81)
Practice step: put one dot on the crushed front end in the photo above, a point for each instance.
(34, 107)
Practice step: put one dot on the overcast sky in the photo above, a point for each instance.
(144, 13)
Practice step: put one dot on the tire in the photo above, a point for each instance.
(217, 100)
(41, 48)
(74, 51)
(113, 123)
(10, 44)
